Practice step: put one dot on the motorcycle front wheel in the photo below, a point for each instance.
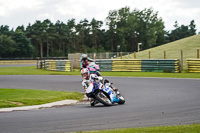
(102, 98)
(121, 99)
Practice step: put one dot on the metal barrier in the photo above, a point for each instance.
(129, 65)
(193, 65)
(126, 65)
(137, 65)
(58, 65)
(105, 65)
(160, 65)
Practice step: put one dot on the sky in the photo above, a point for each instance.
(22, 12)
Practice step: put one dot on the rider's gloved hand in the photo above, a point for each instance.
(106, 81)
(100, 78)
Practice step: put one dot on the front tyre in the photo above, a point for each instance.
(102, 98)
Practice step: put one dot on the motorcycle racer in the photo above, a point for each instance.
(88, 83)
(84, 61)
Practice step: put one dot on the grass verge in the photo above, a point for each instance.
(152, 74)
(31, 70)
(194, 128)
(24, 97)
(188, 45)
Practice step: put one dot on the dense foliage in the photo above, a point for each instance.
(125, 29)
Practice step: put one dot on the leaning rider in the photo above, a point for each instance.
(84, 61)
(88, 80)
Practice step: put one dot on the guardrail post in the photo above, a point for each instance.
(181, 60)
(179, 66)
(43, 64)
(38, 64)
(107, 55)
(197, 53)
(121, 55)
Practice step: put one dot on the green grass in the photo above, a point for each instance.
(194, 128)
(24, 97)
(152, 74)
(33, 71)
(189, 46)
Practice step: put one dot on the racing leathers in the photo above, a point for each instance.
(84, 62)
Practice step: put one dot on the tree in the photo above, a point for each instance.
(151, 27)
(95, 32)
(72, 35)
(7, 46)
(111, 21)
(39, 34)
(192, 29)
(182, 31)
(4, 30)
(133, 27)
(82, 35)
(125, 29)
(23, 47)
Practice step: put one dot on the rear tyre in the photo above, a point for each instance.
(102, 98)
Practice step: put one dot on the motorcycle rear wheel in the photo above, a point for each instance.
(102, 98)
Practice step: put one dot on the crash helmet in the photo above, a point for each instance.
(85, 73)
(84, 56)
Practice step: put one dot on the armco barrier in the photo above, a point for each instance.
(58, 65)
(126, 65)
(144, 65)
(105, 65)
(136, 65)
(160, 65)
(193, 65)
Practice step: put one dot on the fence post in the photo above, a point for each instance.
(74, 59)
(117, 54)
(94, 56)
(164, 54)
(107, 55)
(121, 55)
(197, 53)
(100, 56)
(134, 55)
(149, 54)
(90, 55)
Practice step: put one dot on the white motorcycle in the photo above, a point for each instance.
(104, 94)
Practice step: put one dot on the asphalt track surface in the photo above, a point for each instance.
(149, 102)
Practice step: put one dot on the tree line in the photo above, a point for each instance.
(124, 30)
